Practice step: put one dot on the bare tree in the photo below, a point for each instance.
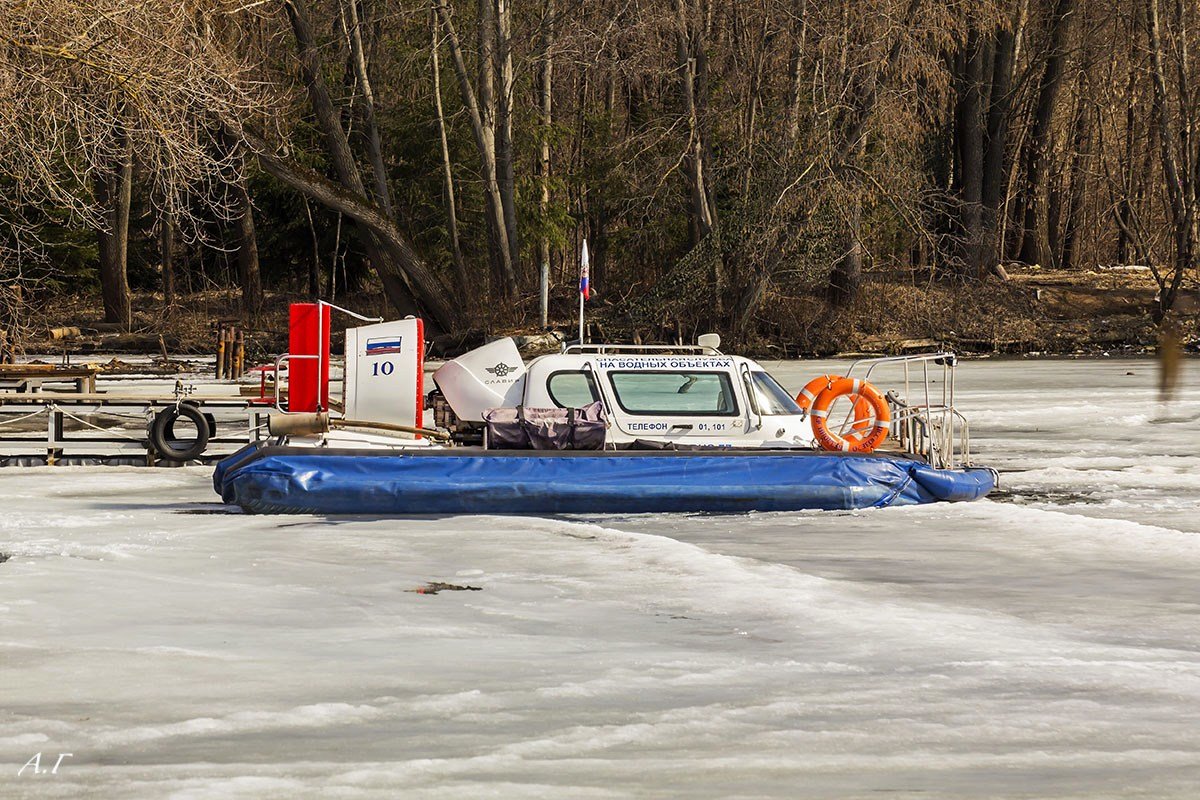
(1172, 76)
(720, 157)
(114, 194)
(1033, 241)
(692, 64)
(408, 281)
(87, 85)
(460, 267)
(247, 250)
(166, 250)
(505, 156)
(353, 28)
(481, 109)
(546, 108)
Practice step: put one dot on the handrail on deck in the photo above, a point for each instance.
(602, 349)
(943, 436)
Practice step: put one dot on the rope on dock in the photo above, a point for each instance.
(117, 431)
(26, 416)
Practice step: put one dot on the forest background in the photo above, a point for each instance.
(799, 175)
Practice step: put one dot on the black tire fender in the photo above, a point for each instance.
(162, 433)
(169, 430)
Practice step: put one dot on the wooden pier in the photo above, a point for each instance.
(28, 378)
(57, 426)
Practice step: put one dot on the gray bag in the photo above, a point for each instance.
(523, 428)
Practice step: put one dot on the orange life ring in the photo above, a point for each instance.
(851, 442)
(862, 407)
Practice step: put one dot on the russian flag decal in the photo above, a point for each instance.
(382, 345)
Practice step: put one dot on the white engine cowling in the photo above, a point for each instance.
(492, 376)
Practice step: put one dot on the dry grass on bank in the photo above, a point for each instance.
(1035, 311)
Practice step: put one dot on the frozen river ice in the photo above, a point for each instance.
(1044, 643)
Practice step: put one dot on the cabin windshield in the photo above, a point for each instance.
(680, 393)
(773, 399)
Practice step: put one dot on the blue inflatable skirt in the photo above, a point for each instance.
(292, 480)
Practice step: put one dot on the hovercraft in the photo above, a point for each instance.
(595, 428)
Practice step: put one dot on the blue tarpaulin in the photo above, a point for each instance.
(282, 480)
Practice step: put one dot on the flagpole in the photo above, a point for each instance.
(583, 284)
(545, 294)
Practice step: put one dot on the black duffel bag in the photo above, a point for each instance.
(524, 428)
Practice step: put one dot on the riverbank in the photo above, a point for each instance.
(1036, 312)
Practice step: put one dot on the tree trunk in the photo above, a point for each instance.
(504, 130)
(1124, 206)
(971, 128)
(995, 158)
(1052, 224)
(1177, 161)
(703, 127)
(1033, 240)
(482, 109)
(758, 45)
(314, 263)
(846, 279)
(701, 217)
(114, 192)
(166, 251)
(247, 257)
(460, 267)
(1080, 158)
(796, 84)
(547, 108)
(358, 57)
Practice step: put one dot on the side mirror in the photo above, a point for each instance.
(709, 340)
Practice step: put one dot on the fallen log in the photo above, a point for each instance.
(65, 332)
(883, 344)
(106, 327)
(147, 343)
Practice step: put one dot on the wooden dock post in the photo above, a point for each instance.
(231, 353)
(239, 360)
(221, 353)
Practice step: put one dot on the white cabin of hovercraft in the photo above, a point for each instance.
(683, 394)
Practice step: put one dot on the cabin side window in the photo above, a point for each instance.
(773, 399)
(683, 393)
(572, 389)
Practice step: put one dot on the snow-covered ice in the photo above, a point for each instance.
(1045, 643)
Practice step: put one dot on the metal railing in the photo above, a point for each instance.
(648, 349)
(286, 358)
(925, 425)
